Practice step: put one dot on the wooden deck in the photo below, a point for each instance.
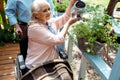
(7, 55)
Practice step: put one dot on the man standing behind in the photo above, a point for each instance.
(19, 14)
(22, 8)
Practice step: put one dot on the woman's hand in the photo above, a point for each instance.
(73, 20)
(72, 2)
(66, 27)
(68, 10)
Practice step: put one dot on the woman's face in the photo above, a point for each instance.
(44, 13)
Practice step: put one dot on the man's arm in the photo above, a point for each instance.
(10, 11)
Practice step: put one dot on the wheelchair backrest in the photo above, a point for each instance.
(23, 46)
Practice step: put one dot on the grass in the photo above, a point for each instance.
(100, 2)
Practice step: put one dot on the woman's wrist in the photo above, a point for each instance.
(68, 10)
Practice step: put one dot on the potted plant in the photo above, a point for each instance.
(94, 29)
(60, 6)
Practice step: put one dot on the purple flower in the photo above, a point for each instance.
(59, 1)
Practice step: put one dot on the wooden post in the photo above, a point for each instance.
(2, 11)
(69, 50)
(115, 73)
(83, 68)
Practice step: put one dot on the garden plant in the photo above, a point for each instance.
(95, 26)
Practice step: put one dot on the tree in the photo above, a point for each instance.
(111, 6)
(2, 13)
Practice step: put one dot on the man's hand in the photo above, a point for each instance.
(17, 29)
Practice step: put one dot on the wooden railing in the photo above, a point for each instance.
(101, 67)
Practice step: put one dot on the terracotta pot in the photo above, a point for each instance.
(60, 13)
(81, 44)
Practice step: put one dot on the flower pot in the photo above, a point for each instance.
(97, 48)
(59, 13)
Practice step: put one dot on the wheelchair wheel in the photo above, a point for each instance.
(18, 73)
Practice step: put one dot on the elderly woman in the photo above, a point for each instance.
(42, 41)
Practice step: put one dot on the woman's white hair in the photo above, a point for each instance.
(35, 7)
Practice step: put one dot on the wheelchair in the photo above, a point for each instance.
(19, 63)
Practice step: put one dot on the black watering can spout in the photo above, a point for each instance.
(80, 4)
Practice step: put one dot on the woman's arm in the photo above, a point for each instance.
(10, 11)
(68, 24)
(61, 20)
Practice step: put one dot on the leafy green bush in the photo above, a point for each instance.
(95, 26)
(7, 34)
(6, 31)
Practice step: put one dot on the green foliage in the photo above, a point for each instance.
(95, 26)
(60, 7)
(100, 2)
(7, 33)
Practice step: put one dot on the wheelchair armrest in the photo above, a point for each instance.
(21, 61)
